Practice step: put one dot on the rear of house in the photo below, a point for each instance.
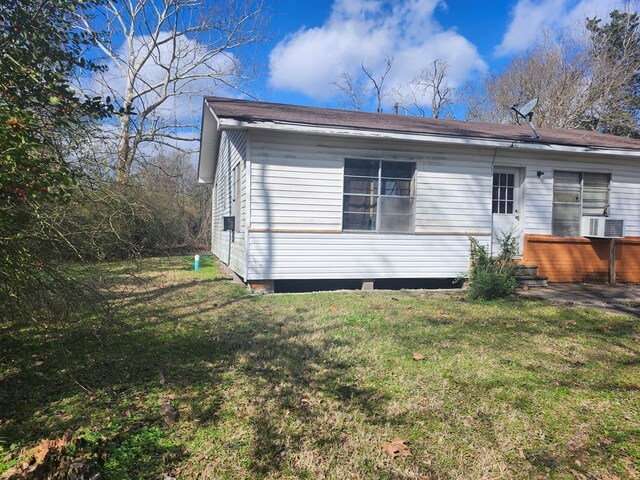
(305, 193)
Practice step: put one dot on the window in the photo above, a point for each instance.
(236, 201)
(577, 194)
(595, 194)
(503, 190)
(379, 195)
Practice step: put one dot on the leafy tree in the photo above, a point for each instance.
(556, 72)
(39, 114)
(615, 50)
(591, 82)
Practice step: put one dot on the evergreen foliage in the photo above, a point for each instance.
(493, 277)
(619, 42)
(40, 115)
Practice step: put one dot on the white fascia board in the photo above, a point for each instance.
(427, 138)
(209, 142)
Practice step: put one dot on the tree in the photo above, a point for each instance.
(353, 91)
(40, 49)
(591, 82)
(378, 85)
(356, 92)
(615, 53)
(40, 113)
(430, 90)
(555, 72)
(162, 52)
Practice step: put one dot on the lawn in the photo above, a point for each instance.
(312, 385)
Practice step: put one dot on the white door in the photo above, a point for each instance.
(505, 205)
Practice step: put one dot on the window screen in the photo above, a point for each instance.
(595, 193)
(379, 195)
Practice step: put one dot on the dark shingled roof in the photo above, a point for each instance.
(251, 111)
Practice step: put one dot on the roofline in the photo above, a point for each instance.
(209, 143)
(232, 123)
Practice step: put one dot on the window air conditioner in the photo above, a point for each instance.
(603, 227)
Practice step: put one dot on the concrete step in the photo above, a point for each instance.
(532, 281)
(526, 270)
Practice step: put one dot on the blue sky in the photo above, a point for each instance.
(314, 42)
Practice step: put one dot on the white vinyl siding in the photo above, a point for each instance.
(624, 199)
(297, 186)
(220, 240)
(290, 255)
(537, 211)
(237, 198)
(297, 182)
(229, 246)
(297, 205)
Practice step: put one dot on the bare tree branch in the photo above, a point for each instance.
(352, 90)
(430, 90)
(378, 85)
(588, 82)
(169, 50)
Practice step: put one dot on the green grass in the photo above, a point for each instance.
(310, 386)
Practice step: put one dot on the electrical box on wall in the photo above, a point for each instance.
(228, 223)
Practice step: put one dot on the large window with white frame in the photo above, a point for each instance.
(578, 194)
(379, 196)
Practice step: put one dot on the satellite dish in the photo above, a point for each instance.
(526, 112)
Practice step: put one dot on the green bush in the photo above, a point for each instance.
(493, 277)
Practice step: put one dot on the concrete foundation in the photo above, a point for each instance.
(236, 278)
(367, 284)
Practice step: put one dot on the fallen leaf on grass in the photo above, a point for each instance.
(418, 356)
(333, 307)
(40, 460)
(397, 448)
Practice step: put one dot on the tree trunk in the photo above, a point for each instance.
(123, 163)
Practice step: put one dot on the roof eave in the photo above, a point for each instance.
(209, 142)
(235, 123)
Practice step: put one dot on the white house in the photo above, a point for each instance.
(316, 193)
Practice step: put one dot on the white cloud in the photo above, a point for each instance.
(531, 18)
(364, 32)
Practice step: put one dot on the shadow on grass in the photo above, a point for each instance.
(185, 339)
(108, 380)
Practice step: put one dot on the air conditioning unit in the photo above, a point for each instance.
(602, 227)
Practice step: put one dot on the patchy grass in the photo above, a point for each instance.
(310, 386)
